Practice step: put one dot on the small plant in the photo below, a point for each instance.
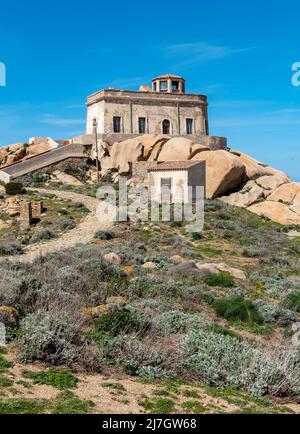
(103, 235)
(176, 224)
(115, 386)
(196, 236)
(193, 407)
(10, 248)
(23, 406)
(216, 328)
(69, 403)
(5, 382)
(4, 364)
(13, 188)
(223, 279)
(121, 320)
(59, 379)
(292, 301)
(42, 235)
(66, 224)
(237, 309)
(191, 393)
(158, 405)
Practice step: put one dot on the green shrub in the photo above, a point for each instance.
(66, 224)
(216, 328)
(224, 361)
(8, 248)
(51, 377)
(223, 279)
(48, 336)
(172, 322)
(121, 320)
(42, 235)
(237, 309)
(292, 301)
(196, 236)
(176, 224)
(13, 188)
(103, 235)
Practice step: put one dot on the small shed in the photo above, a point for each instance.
(180, 177)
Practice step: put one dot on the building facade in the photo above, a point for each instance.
(163, 109)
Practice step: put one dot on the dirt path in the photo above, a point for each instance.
(82, 233)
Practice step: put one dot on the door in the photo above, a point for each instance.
(166, 188)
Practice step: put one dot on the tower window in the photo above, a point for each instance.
(166, 126)
(175, 85)
(189, 126)
(163, 85)
(142, 125)
(117, 124)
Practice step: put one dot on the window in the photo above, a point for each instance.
(117, 124)
(163, 85)
(175, 85)
(166, 126)
(189, 126)
(142, 125)
(154, 86)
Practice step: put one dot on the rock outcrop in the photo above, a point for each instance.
(249, 194)
(224, 172)
(13, 153)
(177, 148)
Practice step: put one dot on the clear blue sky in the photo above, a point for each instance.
(238, 53)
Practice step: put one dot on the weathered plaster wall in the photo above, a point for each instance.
(179, 181)
(95, 111)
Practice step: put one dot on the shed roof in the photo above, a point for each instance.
(173, 165)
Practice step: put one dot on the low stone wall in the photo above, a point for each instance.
(213, 142)
(139, 170)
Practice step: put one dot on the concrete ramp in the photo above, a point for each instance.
(41, 161)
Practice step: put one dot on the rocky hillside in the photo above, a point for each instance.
(237, 178)
(11, 154)
(233, 176)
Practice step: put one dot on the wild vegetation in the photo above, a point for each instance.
(59, 215)
(78, 312)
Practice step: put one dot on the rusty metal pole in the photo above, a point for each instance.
(96, 147)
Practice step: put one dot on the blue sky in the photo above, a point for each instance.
(238, 53)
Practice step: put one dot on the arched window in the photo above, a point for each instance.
(166, 126)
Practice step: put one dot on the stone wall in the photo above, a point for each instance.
(139, 170)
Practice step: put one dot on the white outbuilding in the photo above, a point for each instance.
(182, 179)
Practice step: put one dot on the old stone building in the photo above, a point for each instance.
(165, 108)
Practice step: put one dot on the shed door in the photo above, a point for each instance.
(164, 184)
